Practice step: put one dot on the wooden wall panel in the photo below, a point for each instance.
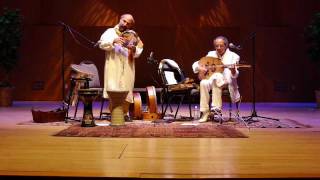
(177, 29)
(40, 64)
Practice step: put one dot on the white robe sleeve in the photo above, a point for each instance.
(106, 40)
(138, 52)
(235, 59)
(195, 67)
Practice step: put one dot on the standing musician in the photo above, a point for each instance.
(122, 46)
(218, 79)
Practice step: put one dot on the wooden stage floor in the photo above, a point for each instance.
(32, 151)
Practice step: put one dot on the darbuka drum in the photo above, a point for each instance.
(117, 99)
(88, 96)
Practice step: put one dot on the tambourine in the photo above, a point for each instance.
(131, 38)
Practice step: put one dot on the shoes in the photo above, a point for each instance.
(204, 117)
(216, 111)
(216, 114)
(127, 118)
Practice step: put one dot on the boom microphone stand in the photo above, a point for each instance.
(151, 60)
(62, 62)
(254, 112)
(73, 33)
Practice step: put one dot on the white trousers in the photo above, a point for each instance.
(216, 83)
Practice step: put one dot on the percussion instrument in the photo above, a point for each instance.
(152, 112)
(131, 38)
(117, 99)
(136, 107)
(81, 75)
(88, 96)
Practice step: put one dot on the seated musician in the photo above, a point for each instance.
(217, 80)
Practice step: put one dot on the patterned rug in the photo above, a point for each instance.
(155, 130)
(237, 123)
(266, 123)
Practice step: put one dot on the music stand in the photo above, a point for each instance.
(254, 112)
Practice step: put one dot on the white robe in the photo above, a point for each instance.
(119, 73)
(217, 81)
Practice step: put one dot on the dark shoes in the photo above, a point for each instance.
(216, 112)
(127, 118)
(216, 115)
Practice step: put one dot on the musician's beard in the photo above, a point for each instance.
(122, 28)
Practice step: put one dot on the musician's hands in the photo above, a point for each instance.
(202, 68)
(119, 40)
(132, 47)
(233, 69)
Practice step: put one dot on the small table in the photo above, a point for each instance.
(87, 96)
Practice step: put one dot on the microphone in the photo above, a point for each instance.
(96, 44)
(151, 55)
(151, 59)
(61, 23)
(231, 45)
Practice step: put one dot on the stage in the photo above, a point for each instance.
(33, 151)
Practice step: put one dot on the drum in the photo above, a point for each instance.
(136, 107)
(152, 112)
(117, 99)
(88, 96)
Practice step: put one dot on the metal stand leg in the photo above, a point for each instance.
(238, 117)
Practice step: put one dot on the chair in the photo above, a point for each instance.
(175, 84)
(83, 76)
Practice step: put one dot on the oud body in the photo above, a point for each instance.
(211, 65)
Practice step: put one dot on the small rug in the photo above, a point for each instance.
(266, 123)
(157, 130)
(57, 123)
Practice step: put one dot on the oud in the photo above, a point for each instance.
(211, 65)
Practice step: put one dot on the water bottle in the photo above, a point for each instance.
(196, 112)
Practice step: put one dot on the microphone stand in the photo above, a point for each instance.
(151, 60)
(71, 31)
(254, 112)
(62, 63)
